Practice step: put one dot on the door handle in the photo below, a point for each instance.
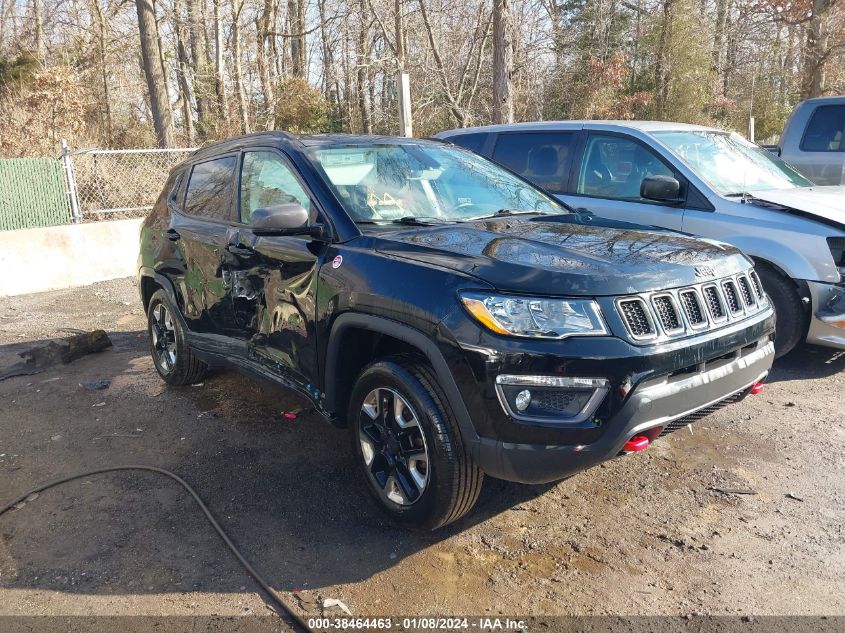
(241, 251)
(172, 234)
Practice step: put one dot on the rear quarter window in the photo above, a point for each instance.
(473, 142)
(210, 189)
(826, 130)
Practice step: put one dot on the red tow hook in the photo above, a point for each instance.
(636, 444)
(757, 388)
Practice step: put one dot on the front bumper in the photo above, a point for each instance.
(652, 407)
(827, 323)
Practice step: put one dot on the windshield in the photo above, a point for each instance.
(730, 164)
(386, 183)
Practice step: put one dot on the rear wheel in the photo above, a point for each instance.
(173, 359)
(409, 447)
(789, 312)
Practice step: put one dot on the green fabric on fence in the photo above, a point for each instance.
(33, 193)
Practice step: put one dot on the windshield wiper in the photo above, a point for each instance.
(421, 220)
(501, 213)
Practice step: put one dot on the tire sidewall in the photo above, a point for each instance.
(789, 315)
(391, 375)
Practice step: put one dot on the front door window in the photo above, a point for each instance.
(614, 167)
(266, 181)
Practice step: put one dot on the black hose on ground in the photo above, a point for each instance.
(271, 594)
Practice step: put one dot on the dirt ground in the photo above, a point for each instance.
(645, 534)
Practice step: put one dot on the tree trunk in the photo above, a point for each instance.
(38, 18)
(296, 20)
(661, 63)
(219, 66)
(199, 65)
(263, 45)
(237, 68)
(154, 73)
(329, 82)
(719, 40)
(363, 74)
(502, 62)
(813, 71)
(183, 68)
(102, 48)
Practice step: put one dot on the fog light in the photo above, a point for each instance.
(552, 400)
(522, 400)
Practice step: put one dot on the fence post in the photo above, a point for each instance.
(71, 183)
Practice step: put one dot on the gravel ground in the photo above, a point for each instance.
(643, 535)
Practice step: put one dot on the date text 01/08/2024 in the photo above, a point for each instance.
(418, 623)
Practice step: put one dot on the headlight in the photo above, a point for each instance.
(535, 317)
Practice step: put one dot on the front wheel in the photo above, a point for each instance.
(173, 359)
(790, 320)
(409, 447)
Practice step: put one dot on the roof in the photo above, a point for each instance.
(309, 140)
(354, 139)
(825, 100)
(642, 126)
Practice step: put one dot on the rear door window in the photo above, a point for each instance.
(210, 189)
(541, 157)
(826, 130)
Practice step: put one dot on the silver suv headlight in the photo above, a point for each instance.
(535, 317)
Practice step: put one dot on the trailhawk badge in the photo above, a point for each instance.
(337, 261)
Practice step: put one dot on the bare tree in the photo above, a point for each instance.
(156, 83)
(502, 62)
(237, 66)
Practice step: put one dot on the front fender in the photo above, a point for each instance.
(806, 263)
(409, 335)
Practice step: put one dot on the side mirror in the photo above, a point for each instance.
(279, 219)
(661, 189)
(283, 219)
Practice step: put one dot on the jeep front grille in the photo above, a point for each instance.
(637, 319)
(731, 296)
(747, 293)
(691, 310)
(669, 318)
(758, 287)
(714, 303)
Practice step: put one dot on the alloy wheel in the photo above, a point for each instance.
(393, 447)
(163, 334)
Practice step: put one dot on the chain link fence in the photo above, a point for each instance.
(116, 184)
(33, 193)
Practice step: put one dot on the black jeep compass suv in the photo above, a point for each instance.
(457, 319)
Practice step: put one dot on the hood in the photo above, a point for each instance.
(825, 204)
(562, 257)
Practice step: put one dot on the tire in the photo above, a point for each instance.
(790, 320)
(419, 492)
(173, 359)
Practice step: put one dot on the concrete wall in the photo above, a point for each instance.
(33, 260)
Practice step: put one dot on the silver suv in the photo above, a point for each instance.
(698, 180)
